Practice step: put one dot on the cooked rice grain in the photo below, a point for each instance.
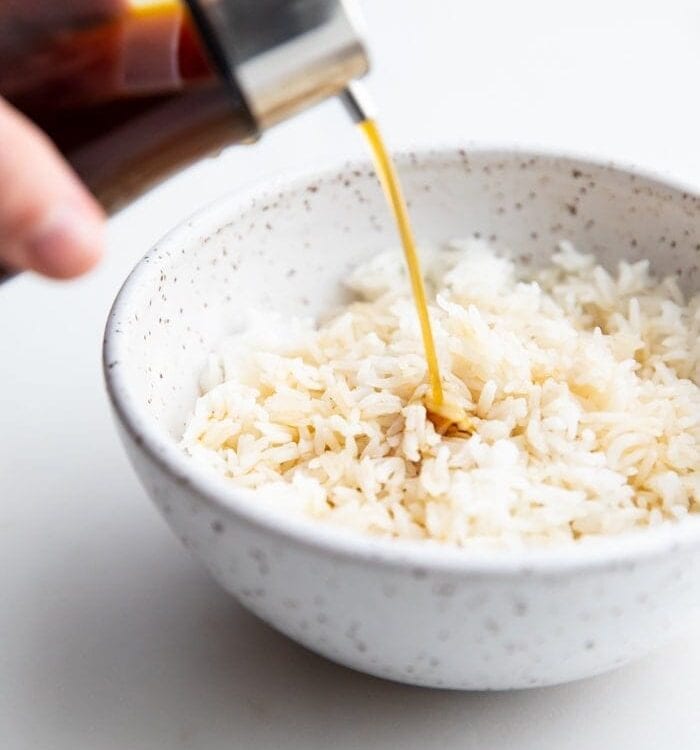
(582, 388)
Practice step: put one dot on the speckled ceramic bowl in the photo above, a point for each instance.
(417, 613)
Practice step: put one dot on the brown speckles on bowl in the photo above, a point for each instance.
(289, 250)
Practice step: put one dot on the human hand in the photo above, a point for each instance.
(49, 222)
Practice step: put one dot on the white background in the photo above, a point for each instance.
(110, 635)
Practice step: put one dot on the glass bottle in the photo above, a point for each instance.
(131, 90)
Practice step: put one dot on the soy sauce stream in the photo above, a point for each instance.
(353, 99)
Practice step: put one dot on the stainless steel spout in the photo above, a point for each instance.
(281, 56)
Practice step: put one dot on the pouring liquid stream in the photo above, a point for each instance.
(394, 195)
(448, 418)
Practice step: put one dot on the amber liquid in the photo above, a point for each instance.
(126, 91)
(394, 195)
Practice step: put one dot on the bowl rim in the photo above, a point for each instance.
(234, 504)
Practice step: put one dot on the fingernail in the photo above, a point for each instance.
(66, 243)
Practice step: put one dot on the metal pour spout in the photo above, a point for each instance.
(357, 102)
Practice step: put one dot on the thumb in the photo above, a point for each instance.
(49, 222)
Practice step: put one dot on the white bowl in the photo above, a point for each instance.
(417, 613)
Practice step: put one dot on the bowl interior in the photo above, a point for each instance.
(288, 246)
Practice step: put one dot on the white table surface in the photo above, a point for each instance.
(110, 635)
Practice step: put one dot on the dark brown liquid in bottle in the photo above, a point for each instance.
(126, 92)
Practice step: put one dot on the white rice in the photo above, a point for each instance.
(582, 387)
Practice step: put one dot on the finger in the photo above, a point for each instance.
(48, 221)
